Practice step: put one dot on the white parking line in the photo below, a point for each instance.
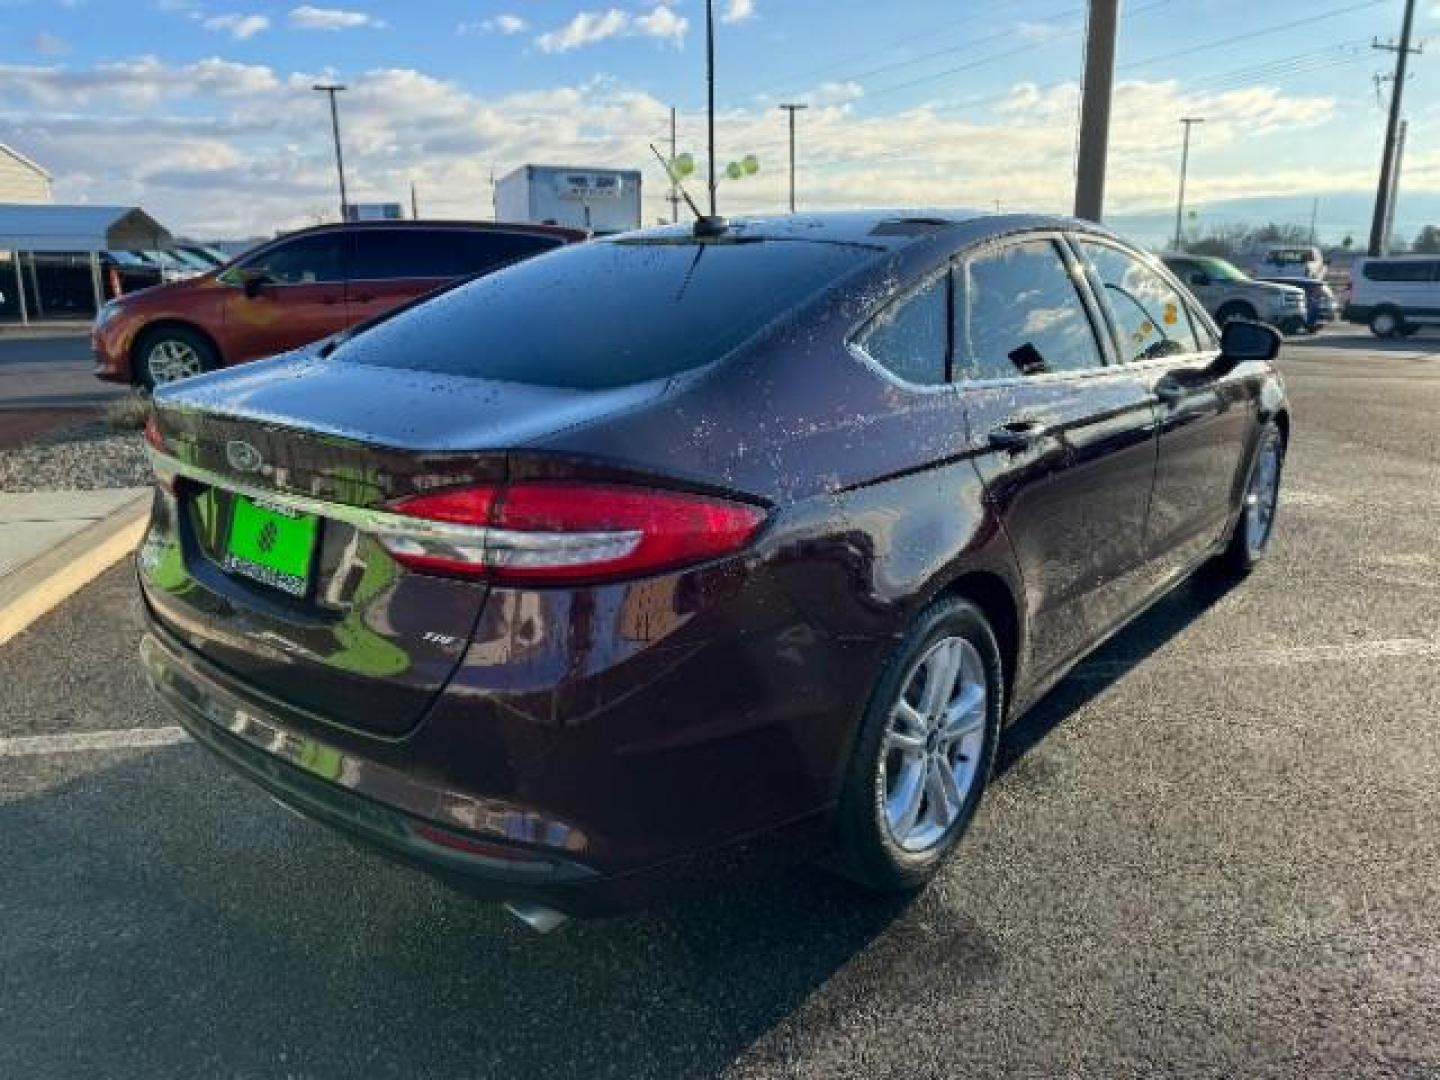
(126, 739)
(1284, 657)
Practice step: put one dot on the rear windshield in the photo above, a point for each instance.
(607, 313)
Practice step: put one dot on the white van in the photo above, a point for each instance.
(1289, 260)
(1395, 294)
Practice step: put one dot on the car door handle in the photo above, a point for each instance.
(1016, 435)
(363, 298)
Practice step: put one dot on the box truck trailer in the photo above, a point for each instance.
(601, 200)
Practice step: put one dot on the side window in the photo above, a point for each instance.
(1018, 314)
(482, 251)
(308, 260)
(910, 337)
(1409, 270)
(382, 254)
(1150, 316)
(1204, 329)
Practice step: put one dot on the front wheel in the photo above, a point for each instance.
(172, 353)
(924, 751)
(1251, 538)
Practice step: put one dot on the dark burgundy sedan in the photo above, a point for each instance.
(588, 576)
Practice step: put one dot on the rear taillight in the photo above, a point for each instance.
(163, 476)
(153, 436)
(559, 532)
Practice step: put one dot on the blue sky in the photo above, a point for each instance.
(200, 110)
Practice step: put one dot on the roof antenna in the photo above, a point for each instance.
(705, 224)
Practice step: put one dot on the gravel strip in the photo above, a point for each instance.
(83, 459)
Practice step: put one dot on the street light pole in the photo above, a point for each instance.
(1101, 28)
(1188, 121)
(331, 89)
(792, 110)
(710, 93)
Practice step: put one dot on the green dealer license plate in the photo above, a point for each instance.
(271, 545)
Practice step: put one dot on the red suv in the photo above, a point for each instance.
(300, 288)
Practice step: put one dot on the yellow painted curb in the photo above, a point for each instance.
(42, 584)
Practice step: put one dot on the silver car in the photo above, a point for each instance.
(1228, 293)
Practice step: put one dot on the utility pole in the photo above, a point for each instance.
(331, 89)
(414, 205)
(1188, 121)
(1095, 108)
(1394, 188)
(1378, 240)
(792, 110)
(710, 94)
(674, 190)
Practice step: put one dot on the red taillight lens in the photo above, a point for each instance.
(163, 476)
(152, 434)
(558, 532)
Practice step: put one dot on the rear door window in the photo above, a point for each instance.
(1018, 313)
(910, 338)
(484, 251)
(608, 313)
(1150, 316)
(392, 254)
(306, 260)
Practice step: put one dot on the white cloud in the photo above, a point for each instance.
(738, 11)
(239, 27)
(664, 24)
(307, 17)
(506, 23)
(586, 28)
(220, 148)
(592, 27)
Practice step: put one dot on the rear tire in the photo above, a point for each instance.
(171, 353)
(922, 756)
(1235, 309)
(1251, 537)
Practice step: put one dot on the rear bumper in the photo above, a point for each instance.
(457, 837)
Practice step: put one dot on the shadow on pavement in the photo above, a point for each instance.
(1127, 650)
(163, 919)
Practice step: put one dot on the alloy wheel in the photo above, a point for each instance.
(1263, 493)
(934, 744)
(170, 360)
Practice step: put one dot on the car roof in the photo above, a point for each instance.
(888, 228)
(431, 223)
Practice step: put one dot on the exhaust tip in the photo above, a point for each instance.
(542, 920)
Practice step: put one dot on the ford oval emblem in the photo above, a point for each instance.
(242, 456)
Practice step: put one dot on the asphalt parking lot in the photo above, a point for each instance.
(1214, 850)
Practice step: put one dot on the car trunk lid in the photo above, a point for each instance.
(269, 562)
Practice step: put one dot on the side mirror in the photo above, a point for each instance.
(255, 284)
(1199, 278)
(1244, 340)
